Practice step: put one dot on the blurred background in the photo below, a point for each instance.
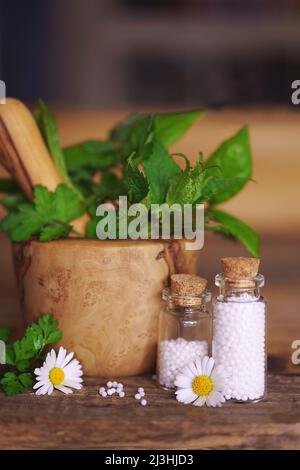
(93, 61)
(151, 52)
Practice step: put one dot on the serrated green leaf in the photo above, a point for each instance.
(54, 337)
(23, 224)
(232, 159)
(54, 231)
(91, 227)
(23, 365)
(44, 202)
(136, 183)
(186, 187)
(14, 384)
(11, 384)
(67, 205)
(238, 229)
(160, 169)
(9, 355)
(5, 334)
(26, 380)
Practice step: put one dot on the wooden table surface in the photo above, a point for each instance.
(87, 421)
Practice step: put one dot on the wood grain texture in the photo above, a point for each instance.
(86, 421)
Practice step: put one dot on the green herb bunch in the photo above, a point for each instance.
(133, 161)
(21, 355)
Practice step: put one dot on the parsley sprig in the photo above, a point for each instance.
(23, 353)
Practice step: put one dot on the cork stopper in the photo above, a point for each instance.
(187, 289)
(240, 271)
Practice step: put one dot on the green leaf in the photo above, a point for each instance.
(91, 227)
(215, 186)
(171, 127)
(135, 130)
(54, 337)
(14, 384)
(23, 224)
(186, 187)
(9, 355)
(49, 327)
(44, 202)
(26, 380)
(160, 169)
(5, 334)
(47, 215)
(47, 125)
(54, 231)
(67, 205)
(238, 229)
(95, 154)
(12, 201)
(8, 186)
(231, 160)
(135, 182)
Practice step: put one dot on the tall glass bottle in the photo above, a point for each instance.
(239, 329)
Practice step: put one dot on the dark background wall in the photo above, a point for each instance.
(144, 52)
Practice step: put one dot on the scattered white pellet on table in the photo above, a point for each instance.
(103, 394)
(115, 384)
(121, 394)
(109, 384)
(143, 402)
(101, 390)
(137, 396)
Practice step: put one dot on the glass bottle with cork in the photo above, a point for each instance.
(239, 326)
(185, 326)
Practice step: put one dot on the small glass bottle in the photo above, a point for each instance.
(185, 327)
(239, 327)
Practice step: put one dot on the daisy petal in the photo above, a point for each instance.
(210, 365)
(50, 389)
(187, 371)
(183, 381)
(204, 363)
(43, 390)
(63, 389)
(67, 359)
(199, 365)
(185, 395)
(193, 368)
(199, 402)
(71, 383)
(60, 357)
(215, 399)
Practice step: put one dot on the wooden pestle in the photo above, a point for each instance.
(24, 154)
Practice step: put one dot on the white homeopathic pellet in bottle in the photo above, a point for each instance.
(185, 326)
(239, 326)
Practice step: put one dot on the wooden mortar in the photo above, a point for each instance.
(105, 294)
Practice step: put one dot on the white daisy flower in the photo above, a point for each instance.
(201, 382)
(59, 372)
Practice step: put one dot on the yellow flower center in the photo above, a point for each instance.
(56, 375)
(202, 385)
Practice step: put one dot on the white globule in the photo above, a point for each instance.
(239, 346)
(174, 354)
